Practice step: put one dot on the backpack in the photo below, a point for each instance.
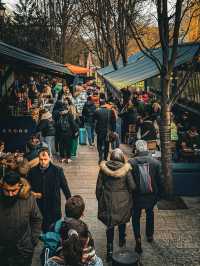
(145, 180)
(52, 239)
(64, 124)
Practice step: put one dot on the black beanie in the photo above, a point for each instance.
(11, 178)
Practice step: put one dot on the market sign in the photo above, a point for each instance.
(16, 132)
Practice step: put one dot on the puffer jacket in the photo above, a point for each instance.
(88, 112)
(20, 224)
(114, 189)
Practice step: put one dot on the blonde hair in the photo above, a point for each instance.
(118, 155)
(156, 105)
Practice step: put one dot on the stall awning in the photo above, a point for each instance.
(110, 69)
(18, 57)
(142, 67)
(79, 70)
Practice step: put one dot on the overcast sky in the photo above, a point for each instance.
(10, 2)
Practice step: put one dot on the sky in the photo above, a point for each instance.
(10, 3)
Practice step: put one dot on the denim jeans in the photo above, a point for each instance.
(110, 233)
(149, 221)
(50, 141)
(90, 132)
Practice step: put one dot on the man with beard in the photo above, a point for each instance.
(20, 224)
(46, 180)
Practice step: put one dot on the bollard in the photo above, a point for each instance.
(125, 257)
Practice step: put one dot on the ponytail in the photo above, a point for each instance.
(72, 250)
(75, 235)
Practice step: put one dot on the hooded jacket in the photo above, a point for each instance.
(20, 224)
(114, 189)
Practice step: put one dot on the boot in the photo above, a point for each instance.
(138, 246)
(150, 239)
(122, 242)
(109, 252)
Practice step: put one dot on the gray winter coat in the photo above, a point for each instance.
(147, 200)
(114, 189)
(20, 224)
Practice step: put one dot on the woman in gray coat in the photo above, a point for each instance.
(114, 189)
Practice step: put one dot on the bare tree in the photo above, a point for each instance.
(68, 19)
(111, 35)
(170, 19)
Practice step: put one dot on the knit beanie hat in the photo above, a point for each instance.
(141, 145)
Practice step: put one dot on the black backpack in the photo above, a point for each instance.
(64, 124)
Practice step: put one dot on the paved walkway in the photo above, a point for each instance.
(177, 234)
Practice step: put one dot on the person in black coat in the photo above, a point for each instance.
(20, 225)
(46, 180)
(88, 112)
(128, 116)
(67, 130)
(105, 121)
(55, 114)
(149, 188)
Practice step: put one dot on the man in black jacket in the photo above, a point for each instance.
(46, 180)
(88, 112)
(105, 122)
(21, 221)
(149, 187)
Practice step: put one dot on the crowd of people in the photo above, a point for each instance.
(30, 197)
(141, 116)
(30, 206)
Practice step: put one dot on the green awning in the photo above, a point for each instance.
(141, 67)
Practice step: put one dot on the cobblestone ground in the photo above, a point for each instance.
(177, 234)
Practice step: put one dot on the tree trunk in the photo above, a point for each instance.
(165, 136)
(63, 46)
(112, 58)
